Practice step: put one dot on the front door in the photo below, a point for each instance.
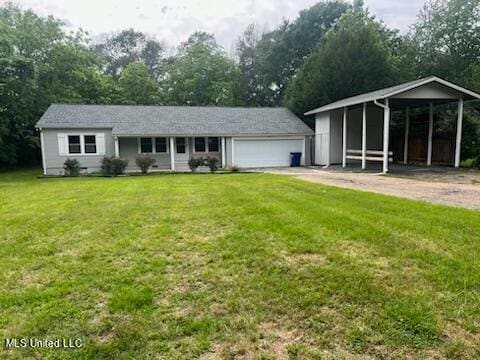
(181, 149)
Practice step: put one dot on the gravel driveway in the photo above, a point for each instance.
(447, 190)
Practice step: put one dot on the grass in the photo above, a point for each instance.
(234, 266)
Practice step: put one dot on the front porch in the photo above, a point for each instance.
(171, 153)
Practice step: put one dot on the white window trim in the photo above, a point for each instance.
(154, 148)
(82, 144)
(207, 150)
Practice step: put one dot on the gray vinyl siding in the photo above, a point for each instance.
(129, 150)
(54, 161)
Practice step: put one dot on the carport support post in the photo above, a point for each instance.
(386, 134)
(458, 145)
(364, 136)
(430, 135)
(172, 154)
(344, 144)
(407, 131)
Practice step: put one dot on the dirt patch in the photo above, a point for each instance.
(304, 259)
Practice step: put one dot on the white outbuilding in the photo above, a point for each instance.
(358, 128)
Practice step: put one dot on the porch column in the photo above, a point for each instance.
(430, 135)
(223, 152)
(117, 148)
(172, 154)
(386, 134)
(458, 144)
(407, 130)
(364, 136)
(344, 152)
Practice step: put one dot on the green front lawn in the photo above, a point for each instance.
(237, 265)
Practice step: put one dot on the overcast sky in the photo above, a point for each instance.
(173, 20)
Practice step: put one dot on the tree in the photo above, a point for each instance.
(72, 74)
(280, 53)
(446, 43)
(25, 39)
(137, 86)
(246, 47)
(200, 74)
(354, 57)
(130, 46)
(39, 65)
(17, 110)
(31, 35)
(446, 39)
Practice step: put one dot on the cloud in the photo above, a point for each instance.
(174, 20)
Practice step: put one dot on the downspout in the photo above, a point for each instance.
(383, 106)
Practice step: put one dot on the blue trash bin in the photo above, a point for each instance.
(295, 159)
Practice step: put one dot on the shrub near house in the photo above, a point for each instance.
(144, 162)
(113, 165)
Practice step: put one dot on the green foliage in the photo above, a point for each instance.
(71, 167)
(212, 163)
(476, 162)
(129, 46)
(144, 162)
(354, 57)
(446, 39)
(113, 166)
(72, 74)
(137, 86)
(194, 163)
(200, 74)
(18, 141)
(268, 62)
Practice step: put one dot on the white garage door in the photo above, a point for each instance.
(265, 153)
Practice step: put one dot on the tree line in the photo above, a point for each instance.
(330, 51)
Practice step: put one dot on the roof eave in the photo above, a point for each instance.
(428, 80)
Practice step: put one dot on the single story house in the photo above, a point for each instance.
(241, 137)
(358, 128)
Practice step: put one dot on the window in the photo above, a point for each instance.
(180, 142)
(161, 145)
(213, 144)
(90, 144)
(200, 144)
(146, 145)
(74, 144)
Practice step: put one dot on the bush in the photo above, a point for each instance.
(234, 169)
(194, 163)
(71, 167)
(476, 162)
(144, 161)
(212, 163)
(113, 165)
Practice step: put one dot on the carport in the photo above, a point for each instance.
(358, 128)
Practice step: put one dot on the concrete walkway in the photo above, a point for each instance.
(446, 193)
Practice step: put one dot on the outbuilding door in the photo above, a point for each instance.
(251, 153)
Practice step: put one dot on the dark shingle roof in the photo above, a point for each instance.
(175, 120)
